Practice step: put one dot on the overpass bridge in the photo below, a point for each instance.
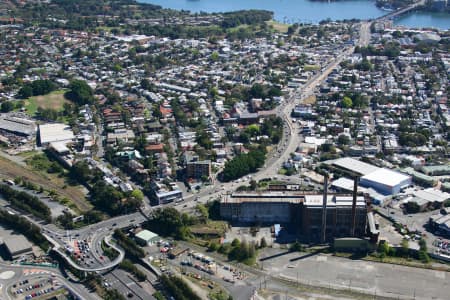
(400, 11)
(56, 248)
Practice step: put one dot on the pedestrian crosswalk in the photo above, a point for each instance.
(29, 272)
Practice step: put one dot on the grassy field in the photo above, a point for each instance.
(280, 27)
(54, 100)
(311, 67)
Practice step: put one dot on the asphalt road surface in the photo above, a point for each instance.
(367, 277)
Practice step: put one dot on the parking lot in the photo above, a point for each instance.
(35, 287)
(442, 246)
(195, 264)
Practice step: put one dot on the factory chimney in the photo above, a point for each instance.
(324, 207)
(355, 196)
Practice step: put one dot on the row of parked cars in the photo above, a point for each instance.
(443, 246)
(40, 293)
(27, 288)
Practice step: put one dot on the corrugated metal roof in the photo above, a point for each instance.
(354, 165)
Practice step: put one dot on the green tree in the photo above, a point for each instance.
(384, 249)
(412, 207)
(128, 266)
(6, 106)
(25, 92)
(347, 102)
(170, 222)
(235, 242)
(203, 212)
(424, 257)
(343, 139)
(113, 294)
(25, 227)
(137, 194)
(80, 92)
(423, 245)
(214, 56)
(404, 249)
(36, 88)
(213, 246)
(131, 248)
(25, 202)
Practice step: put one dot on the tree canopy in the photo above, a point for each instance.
(80, 92)
(243, 164)
(36, 88)
(170, 222)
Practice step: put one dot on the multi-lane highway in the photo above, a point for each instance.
(94, 235)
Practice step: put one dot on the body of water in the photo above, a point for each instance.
(420, 19)
(305, 11)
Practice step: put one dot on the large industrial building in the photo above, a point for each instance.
(380, 180)
(303, 211)
(54, 132)
(17, 125)
(17, 246)
(386, 181)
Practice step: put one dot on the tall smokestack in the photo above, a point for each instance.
(355, 196)
(324, 208)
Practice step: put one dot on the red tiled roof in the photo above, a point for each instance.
(165, 111)
(157, 147)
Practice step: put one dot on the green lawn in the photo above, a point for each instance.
(54, 100)
(311, 67)
(277, 26)
(31, 106)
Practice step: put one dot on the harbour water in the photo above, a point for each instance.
(306, 11)
(421, 19)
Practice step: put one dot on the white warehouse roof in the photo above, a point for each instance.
(146, 235)
(386, 177)
(432, 195)
(354, 165)
(56, 132)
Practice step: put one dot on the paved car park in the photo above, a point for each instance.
(35, 287)
(370, 277)
(442, 246)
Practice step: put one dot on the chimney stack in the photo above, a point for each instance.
(324, 208)
(355, 196)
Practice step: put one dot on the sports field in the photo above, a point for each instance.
(55, 100)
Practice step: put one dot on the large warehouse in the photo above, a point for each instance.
(386, 181)
(304, 211)
(16, 246)
(383, 181)
(55, 132)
